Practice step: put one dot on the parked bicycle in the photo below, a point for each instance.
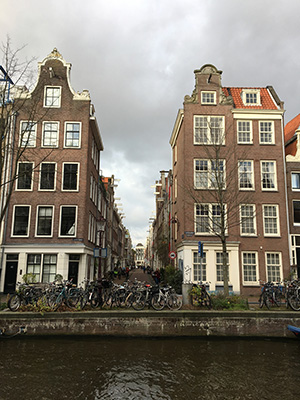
(200, 296)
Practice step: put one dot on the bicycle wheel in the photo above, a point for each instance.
(261, 301)
(129, 300)
(158, 302)
(14, 302)
(95, 299)
(84, 300)
(294, 302)
(174, 302)
(55, 301)
(73, 299)
(139, 301)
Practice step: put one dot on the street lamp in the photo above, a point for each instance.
(101, 228)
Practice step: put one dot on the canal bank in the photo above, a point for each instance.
(186, 323)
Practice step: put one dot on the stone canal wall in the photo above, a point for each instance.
(152, 323)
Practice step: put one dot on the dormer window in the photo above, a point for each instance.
(208, 97)
(251, 97)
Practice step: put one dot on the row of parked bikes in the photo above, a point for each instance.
(100, 293)
(277, 294)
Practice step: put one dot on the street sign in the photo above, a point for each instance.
(200, 249)
(172, 255)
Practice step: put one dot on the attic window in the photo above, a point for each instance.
(251, 97)
(208, 97)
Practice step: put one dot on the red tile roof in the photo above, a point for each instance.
(291, 127)
(267, 102)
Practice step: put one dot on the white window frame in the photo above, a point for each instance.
(40, 177)
(271, 174)
(13, 220)
(60, 220)
(32, 177)
(218, 282)
(37, 220)
(246, 93)
(244, 218)
(202, 122)
(63, 177)
(57, 135)
(27, 137)
(295, 223)
(199, 267)
(65, 135)
(208, 207)
(53, 104)
(209, 173)
(244, 132)
(250, 283)
(270, 133)
(251, 173)
(275, 218)
(207, 96)
(279, 254)
(297, 178)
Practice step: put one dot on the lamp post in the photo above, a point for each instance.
(101, 229)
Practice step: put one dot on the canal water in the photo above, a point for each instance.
(159, 369)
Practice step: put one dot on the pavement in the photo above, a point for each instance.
(137, 274)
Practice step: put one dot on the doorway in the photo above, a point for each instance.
(74, 260)
(11, 270)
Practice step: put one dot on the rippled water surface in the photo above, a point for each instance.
(114, 368)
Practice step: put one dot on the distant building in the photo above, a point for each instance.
(139, 255)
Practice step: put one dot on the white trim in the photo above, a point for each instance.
(40, 176)
(257, 114)
(254, 234)
(251, 92)
(250, 283)
(275, 176)
(43, 131)
(250, 132)
(209, 103)
(32, 177)
(277, 220)
(252, 175)
(60, 217)
(62, 176)
(209, 129)
(33, 124)
(65, 132)
(280, 263)
(272, 132)
(13, 220)
(45, 96)
(37, 220)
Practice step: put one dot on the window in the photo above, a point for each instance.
(208, 218)
(208, 97)
(295, 180)
(48, 261)
(70, 176)
(248, 222)
(219, 266)
(266, 132)
(50, 134)
(49, 267)
(72, 134)
(21, 221)
(296, 213)
(209, 174)
(246, 181)
(199, 266)
(52, 97)
(44, 221)
(28, 134)
(273, 263)
(208, 130)
(271, 223)
(268, 175)
(68, 221)
(34, 265)
(244, 132)
(250, 268)
(25, 171)
(47, 176)
(251, 97)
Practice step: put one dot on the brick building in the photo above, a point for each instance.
(229, 176)
(292, 151)
(52, 223)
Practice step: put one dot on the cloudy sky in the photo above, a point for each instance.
(137, 58)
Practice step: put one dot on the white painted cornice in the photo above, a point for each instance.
(177, 126)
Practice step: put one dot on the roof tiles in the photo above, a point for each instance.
(267, 102)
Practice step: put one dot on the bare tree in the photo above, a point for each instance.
(219, 173)
(16, 80)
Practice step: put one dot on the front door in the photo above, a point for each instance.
(10, 276)
(73, 268)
